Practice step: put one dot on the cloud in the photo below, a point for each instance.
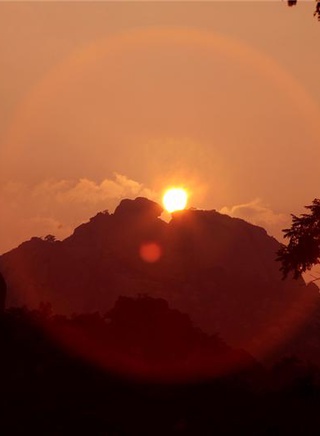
(58, 206)
(88, 191)
(259, 214)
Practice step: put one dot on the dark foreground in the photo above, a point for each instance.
(47, 389)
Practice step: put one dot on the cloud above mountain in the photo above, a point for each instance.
(57, 206)
(260, 214)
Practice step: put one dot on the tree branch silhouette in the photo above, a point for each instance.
(316, 12)
(303, 249)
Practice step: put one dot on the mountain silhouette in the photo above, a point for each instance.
(219, 270)
(3, 292)
(143, 337)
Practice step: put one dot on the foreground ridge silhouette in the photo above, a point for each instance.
(219, 270)
(52, 391)
(143, 338)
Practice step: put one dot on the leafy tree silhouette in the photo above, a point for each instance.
(50, 238)
(316, 12)
(303, 249)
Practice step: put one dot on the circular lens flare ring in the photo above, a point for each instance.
(175, 199)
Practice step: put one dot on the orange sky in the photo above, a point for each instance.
(101, 101)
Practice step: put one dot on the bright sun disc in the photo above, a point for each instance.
(175, 199)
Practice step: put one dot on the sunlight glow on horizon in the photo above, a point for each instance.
(175, 199)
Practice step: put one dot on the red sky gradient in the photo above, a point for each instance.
(101, 101)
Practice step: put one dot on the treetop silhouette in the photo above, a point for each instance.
(303, 249)
(316, 12)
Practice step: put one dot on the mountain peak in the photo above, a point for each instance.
(138, 207)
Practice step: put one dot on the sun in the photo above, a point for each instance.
(175, 199)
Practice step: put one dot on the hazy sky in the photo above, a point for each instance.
(101, 101)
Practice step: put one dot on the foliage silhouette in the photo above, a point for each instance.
(303, 249)
(50, 238)
(316, 12)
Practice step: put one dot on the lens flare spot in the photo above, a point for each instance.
(150, 252)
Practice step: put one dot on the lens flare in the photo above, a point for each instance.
(150, 252)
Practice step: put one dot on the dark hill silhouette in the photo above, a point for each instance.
(3, 292)
(53, 392)
(144, 338)
(219, 270)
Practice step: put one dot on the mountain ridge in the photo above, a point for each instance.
(218, 269)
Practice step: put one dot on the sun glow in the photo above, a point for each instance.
(175, 199)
